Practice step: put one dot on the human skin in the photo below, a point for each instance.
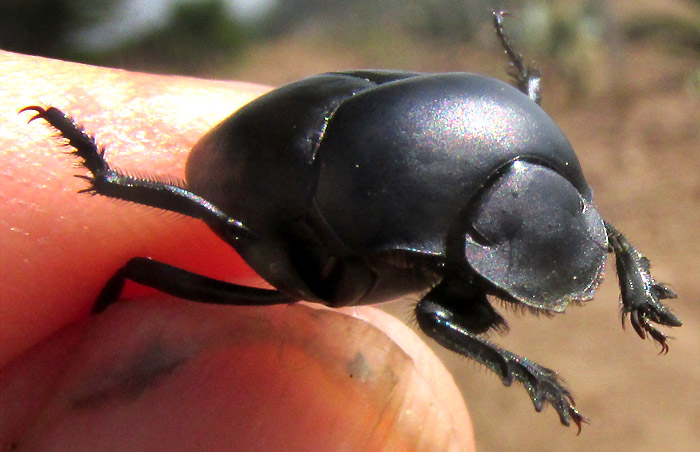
(158, 373)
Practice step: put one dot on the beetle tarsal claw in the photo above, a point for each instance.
(35, 108)
(641, 321)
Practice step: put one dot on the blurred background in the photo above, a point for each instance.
(622, 79)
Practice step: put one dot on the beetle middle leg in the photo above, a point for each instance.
(184, 284)
(166, 278)
(455, 322)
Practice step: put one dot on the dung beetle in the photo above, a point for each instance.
(359, 187)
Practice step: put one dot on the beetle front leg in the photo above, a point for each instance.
(640, 291)
(457, 333)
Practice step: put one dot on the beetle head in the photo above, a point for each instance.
(532, 235)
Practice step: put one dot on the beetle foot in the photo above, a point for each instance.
(84, 145)
(641, 293)
(542, 384)
(642, 324)
(643, 317)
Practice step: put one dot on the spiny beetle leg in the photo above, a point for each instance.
(155, 193)
(527, 79)
(542, 384)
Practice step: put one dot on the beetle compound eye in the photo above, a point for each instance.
(544, 251)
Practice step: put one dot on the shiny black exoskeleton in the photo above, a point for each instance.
(360, 187)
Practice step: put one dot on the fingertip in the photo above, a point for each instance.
(180, 376)
(430, 377)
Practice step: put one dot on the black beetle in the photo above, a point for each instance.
(359, 187)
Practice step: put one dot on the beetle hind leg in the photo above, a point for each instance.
(527, 78)
(155, 193)
(459, 332)
(641, 293)
(83, 144)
